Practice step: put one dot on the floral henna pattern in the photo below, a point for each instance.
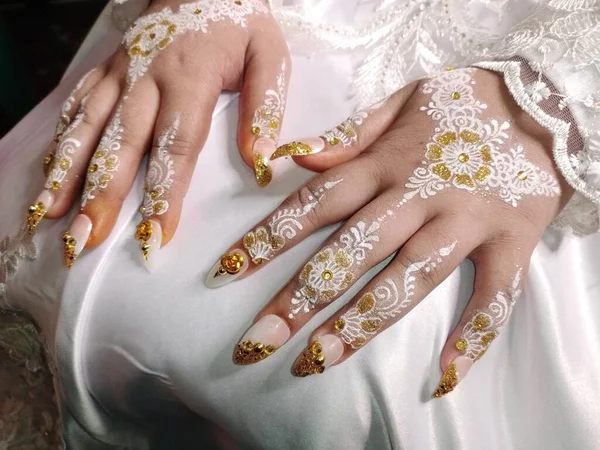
(266, 121)
(151, 34)
(469, 153)
(105, 161)
(160, 174)
(364, 320)
(345, 133)
(264, 242)
(331, 270)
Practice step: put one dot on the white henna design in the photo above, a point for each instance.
(266, 121)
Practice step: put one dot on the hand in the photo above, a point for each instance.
(158, 91)
(445, 169)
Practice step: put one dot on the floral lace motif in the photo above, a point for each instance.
(345, 133)
(12, 250)
(266, 121)
(467, 152)
(485, 325)
(160, 174)
(331, 270)
(263, 243)
(364, 320)
(104, 162)
(152, 33)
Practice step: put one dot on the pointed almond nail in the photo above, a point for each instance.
(261, 340)
(76, 238)
(263, 149)
(149, 232)
(455, 372)
(306, 146)
(38, 209)
(228, 268)
(322, 353)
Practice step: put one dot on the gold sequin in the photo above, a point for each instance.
(486, 154)
(327, 275)
(463, 157)
(522, 175)
(448, 382)
(333, 141)
(143, 232)
(455, 95)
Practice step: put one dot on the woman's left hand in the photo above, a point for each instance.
(445, 169)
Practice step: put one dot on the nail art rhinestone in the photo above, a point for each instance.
(69, 249)
(249, 352)
(35, 214)
(311, 362)
(231, 264)
(143, 233)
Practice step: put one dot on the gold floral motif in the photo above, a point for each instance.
(35, 214)
(143, 233)
(311, 361)
(448, 382)
(249, 352)
(231, 263)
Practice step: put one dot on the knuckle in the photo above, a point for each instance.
(180, 146)
(304, 197)
(426, 275)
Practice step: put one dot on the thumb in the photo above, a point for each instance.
(348, 139)
(262, 104)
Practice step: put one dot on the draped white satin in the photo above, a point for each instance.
(144, 361)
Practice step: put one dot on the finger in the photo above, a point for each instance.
(420, 266)
(500, 272)
(324, 200)
(345, 141)
(70, 157)
(69, 110)
(181, 131)
(262, 102)
(113, 167)
(364, 241)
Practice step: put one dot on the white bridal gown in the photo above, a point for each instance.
(145, 361)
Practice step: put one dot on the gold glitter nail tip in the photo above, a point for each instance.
(262, 150)
(38, 209)
(310, 362)
(308, 146)
(75, 239)
(248, 352)
(455, 372)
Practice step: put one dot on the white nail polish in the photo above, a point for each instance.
(261, 340)
(76, 238)
(230, 267)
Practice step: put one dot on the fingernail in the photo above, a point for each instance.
(76, 238)
(38, 209)
(149, 232)
(263, 149)
(307, 146)
(227, 269)
(455, 372)
(261, 340)
(322, 353)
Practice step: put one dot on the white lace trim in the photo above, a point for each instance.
(12, 250)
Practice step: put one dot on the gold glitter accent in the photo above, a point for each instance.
(370, 326)
(277, 242)
(455, 95)
(238, 2)
(197, 11)
(358, 342)
(482, 173)
(447, 138)
(448, 382)
(48, 161)
(464, 180)
(262, 171)
(522, 175)
(463, 158)
(461, 345)
(434, 152)
(69, 249)
(292, 149)
(442, 171)
(35, 214)
(342, 259)
(274, 123)
(333, 141)
(93, 168)
(323, 257)
(249, 352)
(469, 136)
(488, 338)
(143, 232)
(481, 322)
(339, 324)
(310, 362)
(255, 129)
(55, 185)
(306, 270)
(486, 154)
(365, 304)
(231, 263)
(327, 275)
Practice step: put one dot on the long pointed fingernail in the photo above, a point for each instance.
(455, 372)
(261, 340)
(302, 147)
(230, 267)
(322, 353)
(149, 232)
(76, 238)
(263, 149)
(38, 209)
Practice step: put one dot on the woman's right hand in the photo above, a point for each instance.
(157, 93)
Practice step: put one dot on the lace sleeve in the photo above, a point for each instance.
(551, 65)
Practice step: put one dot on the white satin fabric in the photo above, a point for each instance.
(144, 361)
